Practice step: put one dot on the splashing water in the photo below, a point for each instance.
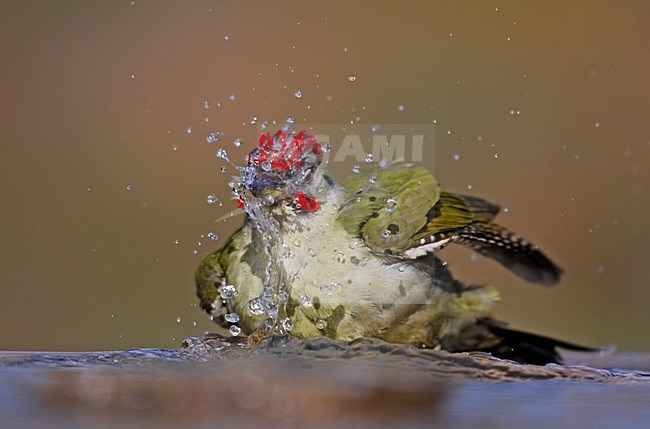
(277, 155)
(276, 290)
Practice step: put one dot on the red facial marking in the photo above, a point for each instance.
(282, 154)
(303, 202)
(240, 203)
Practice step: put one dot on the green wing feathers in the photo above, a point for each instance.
(423, 218)
(209, 278)
(457, 211)
(388, 206)
(468, 220)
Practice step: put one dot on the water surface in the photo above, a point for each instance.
(216, 381)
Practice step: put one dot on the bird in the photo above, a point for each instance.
(361, 257)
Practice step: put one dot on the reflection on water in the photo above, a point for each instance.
(320, 382)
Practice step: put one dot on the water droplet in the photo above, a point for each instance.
(386, 233)
(235, 330)
(231, 317)
(213, 137)
(597, 125)
(237, 142)
(306, 301)
(340, 258)
(354, 260)
(129, 187)
(206, 105)
(320, 324)
(311, 252)
(268, 200)
(223, 169)
(175, 147)
(469, 187)
(178, 319)
(211, 199)
(400, 107)
(352, 78)
(232, 97)
(287, 324)
(400, 269)
(226, 37)
(290, 120)
(369, 158)
(228, 291)
(177, 242)
(372, 179)
(132, 76)
(496, 155)
(391, 205)
(330, 289)
(255, 306)
(212, 236)
(189, 130)
(221, 153)
(356, 169)
(515, 112)
(298, 94)
(375, 128)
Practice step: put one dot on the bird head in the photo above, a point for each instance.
(287, 171)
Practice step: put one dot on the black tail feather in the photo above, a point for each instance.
(527, 348)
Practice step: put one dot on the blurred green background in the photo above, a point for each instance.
(545, 105)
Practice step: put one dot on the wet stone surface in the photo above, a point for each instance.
(284, 382)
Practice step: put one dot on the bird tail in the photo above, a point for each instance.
(524, 347)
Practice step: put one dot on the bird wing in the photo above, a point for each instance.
(386, 207)
(467, 220)
(401, 210)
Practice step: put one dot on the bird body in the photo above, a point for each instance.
(359, 258)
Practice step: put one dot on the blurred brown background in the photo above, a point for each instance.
(97, 96)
